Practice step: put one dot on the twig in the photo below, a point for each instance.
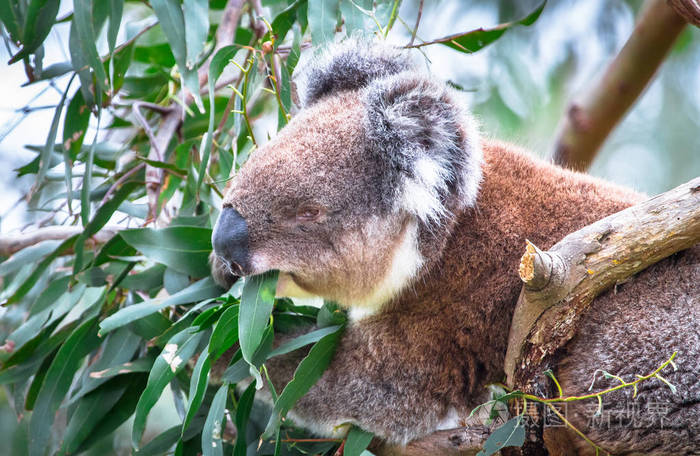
(258, 24)
(144, 123)
(121, 180)
(588, 122)
(415, 29)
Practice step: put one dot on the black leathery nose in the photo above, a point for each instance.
(230, 240)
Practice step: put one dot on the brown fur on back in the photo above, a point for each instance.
(396, 372)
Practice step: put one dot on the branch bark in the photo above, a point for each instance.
(589, 121)
(561, 283)
(11, 244)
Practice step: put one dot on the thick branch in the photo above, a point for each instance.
(589, 121)
(560, 284)
(13, 243)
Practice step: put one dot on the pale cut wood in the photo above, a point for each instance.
(561, 283)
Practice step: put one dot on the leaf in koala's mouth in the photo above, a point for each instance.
(257, 301)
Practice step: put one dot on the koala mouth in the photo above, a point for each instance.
(289, 286)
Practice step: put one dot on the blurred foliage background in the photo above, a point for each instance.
(518, 87)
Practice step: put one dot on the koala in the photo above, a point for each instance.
(382, 195)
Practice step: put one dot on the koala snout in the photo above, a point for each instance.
(230, 241)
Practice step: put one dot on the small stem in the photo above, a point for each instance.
(415, 28)
(581, 434)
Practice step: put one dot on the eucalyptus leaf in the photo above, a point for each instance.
(213, 426)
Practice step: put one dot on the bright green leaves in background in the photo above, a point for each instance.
(95, 331)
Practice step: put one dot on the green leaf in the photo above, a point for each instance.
(225, 333)
(116, 8)
(236, 372)
(303, 340)
(174, 281)
(217, 65)
(27, 255)
(356, 20)
(172, 22)
(475, 40)
(306, 375)
(196, 29)
(90, 410)
(40, 18)
(357, 441)
(171, 361)
(129, 367)
(118, 414)
(102, 216)
(75, 125)
(323, 17)
(198, 291)
(83, 21)
(245, 405)
(285, 20)
(146, 280)
(160, 444)
(11, 17)
(183, 248)
(213, 426)
(118, 348)
(510, 434)
(87, 183)
(58, 379)
(256, 305)
(30, 281)
(47, 152)
(198, 386)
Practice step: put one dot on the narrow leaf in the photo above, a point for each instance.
(245, 405)
(183, 248)
(306, 375)
(225, 333)
(58, 379)
(171, 361)
(40, 18)
(357, 441)
(477, 39)
(211, 433)
(256, 305)
(82, 19)
(198, 386)
(196, 29)
(198, 291)
(323, 17)
(511, 433)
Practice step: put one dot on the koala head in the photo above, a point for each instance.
(359, 191)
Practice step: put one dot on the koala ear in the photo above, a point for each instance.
(350, 65)
(431, 144)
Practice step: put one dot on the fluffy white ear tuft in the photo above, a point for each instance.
(422, 192)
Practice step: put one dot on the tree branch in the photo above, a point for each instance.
(589, 121)
(561, 283)
(13, 243)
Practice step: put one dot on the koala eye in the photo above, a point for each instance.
(308, 213)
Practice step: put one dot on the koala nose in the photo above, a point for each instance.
(230, 240)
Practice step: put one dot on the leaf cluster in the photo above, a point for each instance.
(95, 332)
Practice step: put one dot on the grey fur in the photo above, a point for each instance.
(350, 65)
